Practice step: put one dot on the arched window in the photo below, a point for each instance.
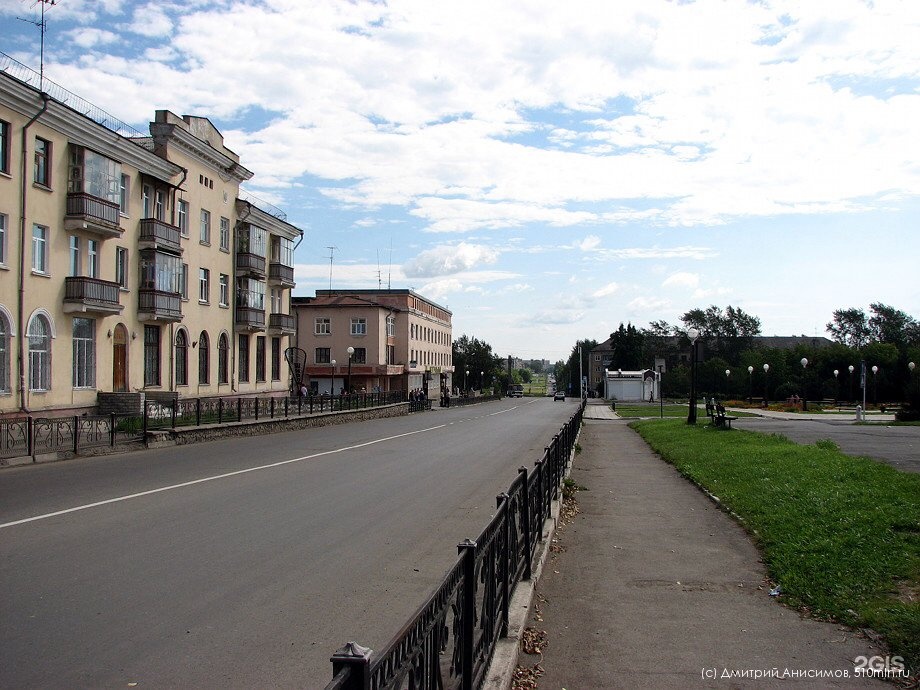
(223, 359)
(39, 354)
(4, 354)
(181, 358)
(204, 366)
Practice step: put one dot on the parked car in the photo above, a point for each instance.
(559, 395)
(516, 391)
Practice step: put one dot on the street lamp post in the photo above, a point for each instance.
(351, 352)
(728, 373)
(804, 363)
(910, 396)
(851, 368)
(482, 381)
(750, 385)
(466, 380)
(836, 385)
(766, 372)
(332, 379)
(693, 334)
(874, 385)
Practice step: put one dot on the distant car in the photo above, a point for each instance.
(559, 395)
(516, 391)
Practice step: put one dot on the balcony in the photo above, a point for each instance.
(157, 234)
(281, 274)
(92, 214)
(250, 319)
(156, 305)
(281, 323)
(250, 265)
(84, 295)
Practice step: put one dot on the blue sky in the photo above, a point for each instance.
(546, 170)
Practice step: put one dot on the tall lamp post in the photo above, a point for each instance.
(874, 385)
(851, 368)
(693, 334)
(466, 380)
(910, 396)
(332, 379)
(351, 352)
(750, 385)
(804, 363)
(836, 384)
(766, 372)
(728, 373)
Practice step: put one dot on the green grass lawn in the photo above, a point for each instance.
(841, 535)
(654, 410)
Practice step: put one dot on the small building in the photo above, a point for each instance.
(631, 386)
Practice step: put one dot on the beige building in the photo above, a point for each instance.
(129, 263)
(400, 341)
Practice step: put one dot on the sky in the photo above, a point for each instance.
(545, 170)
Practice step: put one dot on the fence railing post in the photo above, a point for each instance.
(173, 416)
(112, 429)
(357, 659)
(197, 411)
(525, 519)
(239, 409)
(145, 420)
(272, 408)
(467, 548)
(76, 434)
(220, 410)
(505, 565)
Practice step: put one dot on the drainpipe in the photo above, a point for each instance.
(20, 314)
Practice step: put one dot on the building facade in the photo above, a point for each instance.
(120, 259)
(401, 341)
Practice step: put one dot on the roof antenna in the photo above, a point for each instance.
(379, 274)
(390, 270)
(42, 24)
(331, 253)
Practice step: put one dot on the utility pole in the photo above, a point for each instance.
(581, 374)
(42, 25)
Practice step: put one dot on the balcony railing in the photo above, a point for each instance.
(90, 213)
(161, 306)
(281, 273)
(250, 318)
(91, 295)
(159, 234)
(281, 322)
(250, 264)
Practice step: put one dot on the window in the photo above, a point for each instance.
(359, 326)
(244, 357)
(84, 353)
(250, 293)
(3, 226)
(391, 326)
(225, 234)
(92, 257)
(276, 359)
(151, 355)
(182, 217)
(181, 358)
(39, 354)
(360, 356)
(251, 240)
(260, 358)
(224, 290)
(277, 297)
(40, 249)
(121, 266)
(42, 173)
(223, 359)
(4, 146)
(322, 355)
(205, 234)
(183, 281)
(124, 194)
(204, 285)
(282, 251)
(4, 354)
(322, 326)
(74, 255)
(391, 354)
(94, 174)
(146, 201)
(159, 205)
(160, 271)
(204, 371)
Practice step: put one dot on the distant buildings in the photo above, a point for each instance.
(131, 264)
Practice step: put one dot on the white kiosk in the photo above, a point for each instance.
(631, 386)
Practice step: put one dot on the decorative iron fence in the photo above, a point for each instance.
(450, 640)
(31, 436)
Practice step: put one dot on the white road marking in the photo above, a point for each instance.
(119, 499)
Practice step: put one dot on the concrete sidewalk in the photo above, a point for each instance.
(653, 586)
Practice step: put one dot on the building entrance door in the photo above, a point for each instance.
(120, 359)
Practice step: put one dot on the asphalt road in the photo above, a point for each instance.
(246, 562)
(899, 446)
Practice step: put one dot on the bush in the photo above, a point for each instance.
(908, 414)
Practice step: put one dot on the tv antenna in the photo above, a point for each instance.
(331, 254)
(42, 24)
(390, 269)
(379, 274)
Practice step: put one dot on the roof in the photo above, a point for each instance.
(336, 301)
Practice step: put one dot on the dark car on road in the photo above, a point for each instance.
(559, 395)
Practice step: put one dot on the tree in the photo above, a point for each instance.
(473, 355)
(725, 333)
(627, 345)
(849, 327)
(890, 325)
(571, 382)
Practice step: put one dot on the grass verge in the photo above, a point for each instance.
(841, 535)
(670, 410)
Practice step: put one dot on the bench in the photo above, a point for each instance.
(722, 420)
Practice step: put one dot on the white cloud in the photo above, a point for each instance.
(608, 289)
(590, 242)
(449, 259)
(682, 280)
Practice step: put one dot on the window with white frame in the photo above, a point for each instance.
(277, 301)
(225, 234)
(391, 326)
(182, 217)
(224, 290)
(146, 201)
(84, 353)
(124, 193)
(251, 240)
(205, 231)
(250, 293)
(322, 326)
(159, 205)
(204, 285)
(121, 266)
(74, 269)
(39, 336)
(183, 281)
(4, 222)
(359, 326)
(92, 258)
(282, 251)
(40, 249)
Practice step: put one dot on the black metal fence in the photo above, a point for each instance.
(31, 436)
(450, 640)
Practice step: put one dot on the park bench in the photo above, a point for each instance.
(722, 420)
